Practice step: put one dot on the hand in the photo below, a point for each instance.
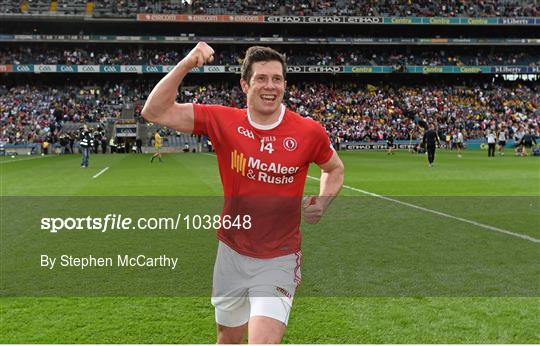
(313, 209)
(200, 55)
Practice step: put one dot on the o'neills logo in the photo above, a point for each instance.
(284, 292)
(266, 172)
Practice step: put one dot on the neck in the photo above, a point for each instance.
(269, 121)
(264, 119)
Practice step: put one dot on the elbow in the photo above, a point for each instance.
(337, 173)
(340, 168)
(147, 113)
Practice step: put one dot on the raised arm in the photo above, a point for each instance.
(161, 106)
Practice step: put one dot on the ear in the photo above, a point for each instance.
(244, 85)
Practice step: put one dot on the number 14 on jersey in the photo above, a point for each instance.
(266, 147)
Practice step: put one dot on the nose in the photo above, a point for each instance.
(269, 84)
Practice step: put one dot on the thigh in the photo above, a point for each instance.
(273, 286)
(229, 289)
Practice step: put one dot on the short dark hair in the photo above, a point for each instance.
(258, 53)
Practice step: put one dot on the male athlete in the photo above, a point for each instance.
(157, 145)
(263, 154)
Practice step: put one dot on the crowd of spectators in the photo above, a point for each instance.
(422, 8)
(419, 8)
(317, 55)
(30, 113)
(355, 112)
(350, 112)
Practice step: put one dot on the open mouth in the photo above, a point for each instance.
(268, 97)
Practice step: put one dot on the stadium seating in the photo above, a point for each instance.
(321, 56)
(352, 105)
(350, 111)
(424, 8)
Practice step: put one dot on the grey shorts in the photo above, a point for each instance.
(245, 286)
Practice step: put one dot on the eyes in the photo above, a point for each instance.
(263, 79)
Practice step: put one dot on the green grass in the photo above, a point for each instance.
(374, 272)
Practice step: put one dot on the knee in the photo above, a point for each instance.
(265, 330)
(230, 335)
(265, 339)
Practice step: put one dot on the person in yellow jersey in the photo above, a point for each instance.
(157, 145)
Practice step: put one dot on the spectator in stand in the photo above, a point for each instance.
(350, 111)
(312, 55)
(443, 8)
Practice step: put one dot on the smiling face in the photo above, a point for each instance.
(265, 90)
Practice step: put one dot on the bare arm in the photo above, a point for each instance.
(161, 106)
(331, 182)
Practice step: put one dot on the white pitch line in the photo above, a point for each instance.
(488, 227)
(100, 172)
(25, 159)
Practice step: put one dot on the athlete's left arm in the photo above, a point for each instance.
(332, 175)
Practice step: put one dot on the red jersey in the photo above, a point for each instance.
(263, 170)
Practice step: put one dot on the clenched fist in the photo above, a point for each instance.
(313, 209)
(200, 55)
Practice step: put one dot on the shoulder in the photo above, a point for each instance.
(303, 123)
(218, 109)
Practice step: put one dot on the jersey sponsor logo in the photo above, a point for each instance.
(290, 144)
(246, 132)
(266, 172)
(238, 162)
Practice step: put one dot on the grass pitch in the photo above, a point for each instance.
(375, 271)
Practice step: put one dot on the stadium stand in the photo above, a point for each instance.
(317, 56)
(480, 72)
(424, 8)
(353, 112)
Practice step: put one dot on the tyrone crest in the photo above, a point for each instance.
(290, 144)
